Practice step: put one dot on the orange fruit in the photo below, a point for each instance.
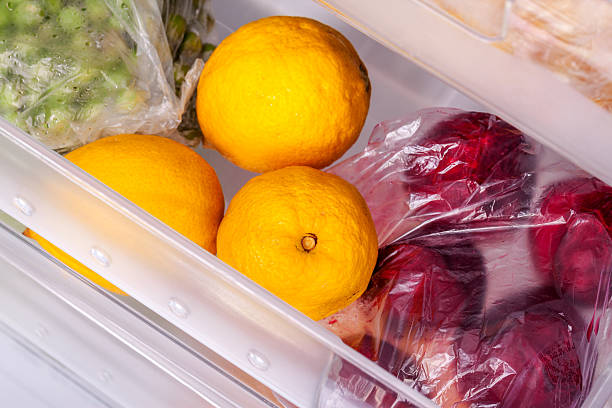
(170, 181)
(283, 91)
(305, 235)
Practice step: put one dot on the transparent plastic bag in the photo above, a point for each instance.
(494, 266)
(569, 37)
(189, 27)
(183, 16)
(75, 70)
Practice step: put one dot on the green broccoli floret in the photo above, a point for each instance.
(71, 19)
(28, 13)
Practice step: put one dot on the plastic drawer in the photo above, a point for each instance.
(193, 325)
(180, 283)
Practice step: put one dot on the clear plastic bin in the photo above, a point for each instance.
(194, 324)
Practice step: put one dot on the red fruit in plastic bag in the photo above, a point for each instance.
(417, 300)
(414, 289)
(475, 159)
(531, 360)
(583, 262)
(474, 146)
(441, 165)
(430, 288)
(438, 290)
(422, 288)
(575, 248)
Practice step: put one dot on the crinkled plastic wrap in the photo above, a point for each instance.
(571, 38)
(75, 70)
(494, 266)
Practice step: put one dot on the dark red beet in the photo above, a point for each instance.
(583, 262)
(476, 146)
(422, 288)
(495, 315)
(429, 294)
(531, 360)
(575, 249)
(441, 166)
(430, 288)
(475, 159)
(416, 292)
(413, 291)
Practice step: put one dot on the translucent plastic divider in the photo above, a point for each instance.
(531, 97)
(30, 379)
(467, 14)
(348, 385)
(192, 289)
(116, 355)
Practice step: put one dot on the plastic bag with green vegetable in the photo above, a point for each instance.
(189, 28)
(72, 71)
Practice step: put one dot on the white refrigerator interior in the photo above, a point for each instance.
(194, 333)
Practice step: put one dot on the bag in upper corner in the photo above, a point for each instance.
(72, 71)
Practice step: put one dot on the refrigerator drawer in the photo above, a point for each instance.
(194, 331)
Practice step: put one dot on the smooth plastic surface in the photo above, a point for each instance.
(103, 347)
(487, 20)
(30, 379)
(526, 88)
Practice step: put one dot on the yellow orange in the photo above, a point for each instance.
(283, 91)
(305, 235)
(163, 177)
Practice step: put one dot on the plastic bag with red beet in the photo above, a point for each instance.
(494, 265)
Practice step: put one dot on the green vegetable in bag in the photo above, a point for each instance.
(189, 25)
(75, 70)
